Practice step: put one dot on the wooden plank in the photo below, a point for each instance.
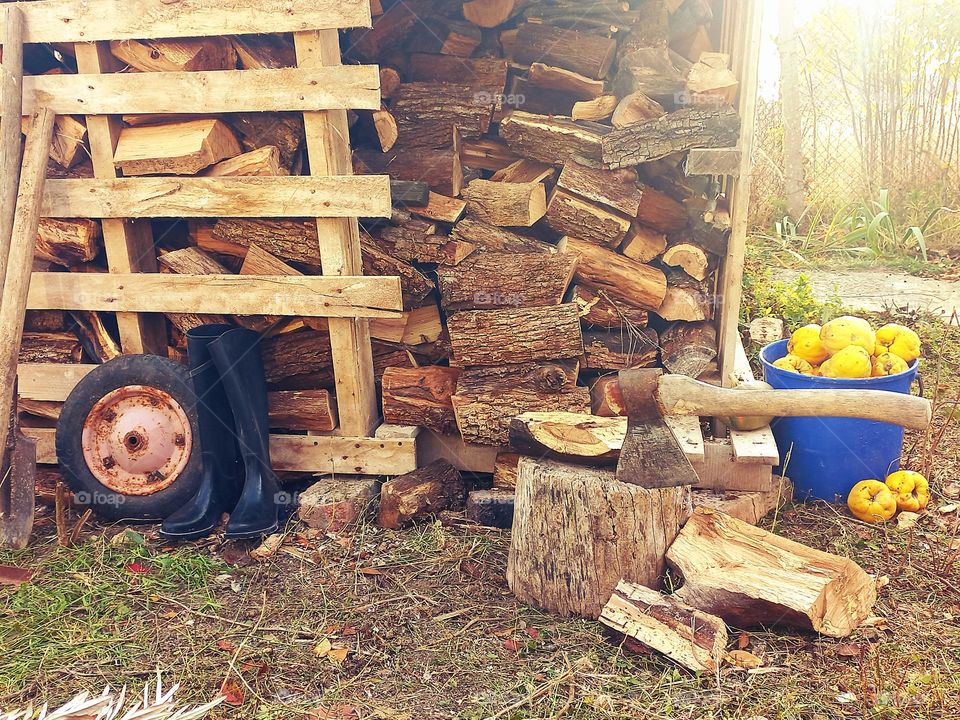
(713, 161)
(49, 381)
(686, 429)
(746, 54)
(757, 447)
(327, 135)
(74, 21)
(464, 456)
(719, 470)
(11, 86)
(303, 453)
(261, 197)
(218, 91)
(128, 244)
(213, 294)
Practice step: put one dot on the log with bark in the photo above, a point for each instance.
(633, 282)
(568, 214)
(420, 396)
(502, 280)
(688, 348)
(577, 532)
(515, 335)
(419, 494)
(182, 148)
(620, 349)
(598, 309)
(68, 242)
(505, 204)
(427, 112)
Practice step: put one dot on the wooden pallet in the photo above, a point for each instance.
(323, 90)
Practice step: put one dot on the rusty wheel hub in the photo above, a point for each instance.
(137, 440)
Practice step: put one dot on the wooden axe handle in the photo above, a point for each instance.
(681, 395)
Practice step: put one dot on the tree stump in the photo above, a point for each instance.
(577, 532)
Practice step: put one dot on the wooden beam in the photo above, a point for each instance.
(217, 91)
(128, 244)
(260, 197)
(229, 294)
(327, 135)
(75, 21)
(49, 381)
(713, 161)
(303, 453)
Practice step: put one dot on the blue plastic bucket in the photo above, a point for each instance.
(823, 456)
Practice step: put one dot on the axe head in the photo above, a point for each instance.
(651, 457)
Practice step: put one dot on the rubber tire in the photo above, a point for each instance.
(153, 371)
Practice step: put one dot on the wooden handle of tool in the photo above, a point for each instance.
(681, 395)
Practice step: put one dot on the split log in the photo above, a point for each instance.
(749, 506)
(293, 240)
(620, 277)
(418, 494)
(427, 112)
(643, 244)
(619, 349)
(577, 532)
(552, 139)
(651, 71)
(688, 348)
(390, 82)
(52, 347)
(94, 336)
(690, 258)
(597, 109)
(420, 397)
(568, 436)
(515, 335)
(567, 81)
(193, 261)
(440, 208)
(69, 140)
(616, 189)
(264, 52)
(677, 131)
(487, 153)
(46, 409)
(68, 242)
(634, 108)
(484, 74)
(258, 261)
(44, 321)
(751, 577)
(660, 211)
(178, 55)
(693, 639)
(685, 299)
(335, 504)
(298, 359)
(302, 410)
(183, 148)
(524, 170)
(581, 52)
(505, 204)
(414, 285)
(710, 77)
(491, 508)
(440, 169)
(263, 161)
(382, 125)
(505, 471)
(446, 37)
(489, 238)
(414, 327)
(606, 400)
(598, 309)
(488, 13)
(281, 130)
(498, 280)
(710, 235)
(568, 214)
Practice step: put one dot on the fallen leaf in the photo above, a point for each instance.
(226, 646)
(848, 650)
(743, 641)
(846, 697)
(334, 712)
(323, 647)
(533, 632)
(874, 621)
(139, 568)
(511, 645)
(883, 581)
(268, 548)
(261, 667)
(232, 692)
(370, 571)
(947, 509)
(337, 655)
(13, 575)
(907, 520)
(169, 615)
(951, 490)
(743, 659)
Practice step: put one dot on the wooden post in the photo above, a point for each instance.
(11, 101)
(327, 136)
(128, 243)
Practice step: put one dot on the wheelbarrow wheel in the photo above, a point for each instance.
(127, 439)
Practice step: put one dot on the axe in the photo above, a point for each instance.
(651, 456)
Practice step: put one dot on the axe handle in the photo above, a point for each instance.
(681, 395)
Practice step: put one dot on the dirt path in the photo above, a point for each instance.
(881, 290)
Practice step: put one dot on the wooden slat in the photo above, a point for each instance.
(261, 197)
(128, 244)
(719, 470)
(221, 91)
(756, 447)
(327, 135)
(214, 294)
(68, 21)
(49, 381)
(713, 161)
(303, 453)
(686, 429)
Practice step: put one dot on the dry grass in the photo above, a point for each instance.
(431, 631)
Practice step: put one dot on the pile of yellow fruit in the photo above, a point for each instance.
(874, 502)
(848, 347)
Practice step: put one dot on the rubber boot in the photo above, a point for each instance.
(237, 356)
(222, 469)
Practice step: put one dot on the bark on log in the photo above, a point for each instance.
(440, 169)
(751, 577)
(481, 74)
(491, 508)
(622, 278)
(420, 396)
(414, 285)
(493, 337)
(183, 148)
(418, 494)
(619, 349)
(660, 211)
(293, 240)
(577, 532)
(688, 348)
(502, 280)
(552, 139)
(598, 309)
(617, 189)
(677, 131)
(427, 112)
(505, 204)
(303, 410)
(59, 347)
(489, 238)
(692, 639)
(68, 242)
(581, 52)
(568, 214)
(282, 130)
(446, 37)
(264, 52)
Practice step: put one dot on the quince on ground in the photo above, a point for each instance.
(910, 488)
(872, 501)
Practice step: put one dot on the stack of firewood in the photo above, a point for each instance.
(545, 231)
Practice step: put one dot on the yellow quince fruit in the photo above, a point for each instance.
(792, 363)
(888, 364)
(851, 362)
(845, 331)
(910, 489)
(872, 501)
(899, 340)
(805, 343)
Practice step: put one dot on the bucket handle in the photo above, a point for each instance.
(919, 384)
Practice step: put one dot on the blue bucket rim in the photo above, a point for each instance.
(819, 379)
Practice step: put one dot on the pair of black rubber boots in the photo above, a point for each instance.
(231, 390)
